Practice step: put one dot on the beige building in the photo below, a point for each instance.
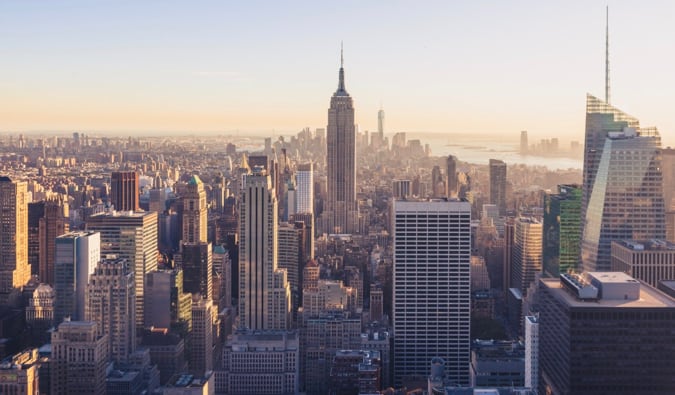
(79, 359)
(14, 267)
(649, 261)
(131, 236)
(20, 374)
(264, 293)
(111, 303)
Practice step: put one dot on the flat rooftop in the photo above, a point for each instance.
(646, 245)
(649, 297)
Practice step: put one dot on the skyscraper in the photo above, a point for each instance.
(124, 190)
(53, 223)
(526, 253)
(111, 303)
(451, 176)
(14, 267)
(77, 254)
(194, 212)
(258, 273)
(523, 142)
(604, 333)
(196, 257)
(304, 178)
(625, 198)
(562, 230)
(131, 236)
(200, 354)
(432, 296)
(341, 212)
(498, 184)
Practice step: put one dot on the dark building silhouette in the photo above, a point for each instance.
(124, 190)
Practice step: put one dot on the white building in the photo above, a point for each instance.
(532, 352)
(77, 254)
(432, 295)
(304, 192)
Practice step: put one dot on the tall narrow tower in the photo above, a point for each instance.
(194, 212)
(341, 208)
(14, 267)
(264, 293)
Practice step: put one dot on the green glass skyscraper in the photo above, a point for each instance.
(562, 230)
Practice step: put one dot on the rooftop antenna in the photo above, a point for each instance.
(607, 57)
(342, 59)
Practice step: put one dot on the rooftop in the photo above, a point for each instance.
(646, 245)
(648, 296)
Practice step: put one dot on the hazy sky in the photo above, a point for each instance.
(436, 66)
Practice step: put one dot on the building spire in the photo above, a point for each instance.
(341, 83)
(607, 57)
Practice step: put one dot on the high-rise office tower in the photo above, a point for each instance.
(289, 259)
(79, 359)
(380, 124)
(604, 333)
(625, 199)
(111, 303)
(14, 267)
(523, 142)
(432, 296)
(668, 170)
(124, 190)
(341, 211)
(258, 273)
(498, 184)
(200, 353)
(53, 223)
(194, 212)
(437, 184)
(222, 268)
(77, 254)
(36, 210)
(527, 249)
(532, 352)
(197, 264)
(562, 230)
(451, 176)
(166, 305)
(304, 177)
(131, 236)
(196, 257)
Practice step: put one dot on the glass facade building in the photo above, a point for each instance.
(562, 230)
(623, 192)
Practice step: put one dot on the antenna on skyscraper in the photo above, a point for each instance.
(342, 59)
(607, 57)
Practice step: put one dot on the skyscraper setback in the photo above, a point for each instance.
(341, 213)
(264, 292)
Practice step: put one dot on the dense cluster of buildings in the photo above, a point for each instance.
(189, 266)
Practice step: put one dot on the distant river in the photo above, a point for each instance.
(480, 149)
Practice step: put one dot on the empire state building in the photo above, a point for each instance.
(341, 214)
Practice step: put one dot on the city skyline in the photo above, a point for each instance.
(442, 68)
